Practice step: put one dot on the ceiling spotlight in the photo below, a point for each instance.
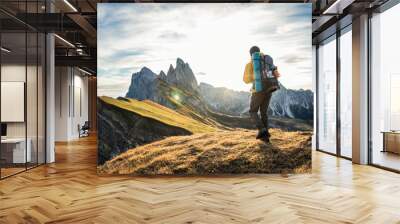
(5, 50)
(79, 51)
(70, 5)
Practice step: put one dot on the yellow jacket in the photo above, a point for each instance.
(248, 76)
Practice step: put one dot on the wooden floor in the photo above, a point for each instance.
(5, 172)
(70, 191)
(387, 159)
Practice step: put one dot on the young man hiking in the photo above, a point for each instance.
(262, 74)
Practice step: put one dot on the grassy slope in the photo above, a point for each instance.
(209, 150)
(215, 153)
(160, 113)
(223, 121)
(183, 106)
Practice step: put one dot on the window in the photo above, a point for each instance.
(346, 93)
(394, 101)
(329, 111)
(385, 89)
(22, 75)
(327, 96)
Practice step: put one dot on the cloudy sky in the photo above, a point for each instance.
(213, 38)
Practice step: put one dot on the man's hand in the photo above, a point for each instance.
(276, 74)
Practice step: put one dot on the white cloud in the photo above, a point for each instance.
(213, 38)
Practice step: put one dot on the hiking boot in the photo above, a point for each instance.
(262, 134)
(266, 140)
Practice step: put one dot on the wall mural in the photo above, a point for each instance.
(204, 89)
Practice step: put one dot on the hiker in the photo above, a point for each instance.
(263, 74)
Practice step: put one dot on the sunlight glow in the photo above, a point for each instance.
(176, 97)
(214, 40)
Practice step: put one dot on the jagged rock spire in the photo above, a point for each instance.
(182, 75)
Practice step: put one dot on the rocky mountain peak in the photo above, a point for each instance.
(162, 75)
(144, 73)
(170, 70)
(141, 79)
(145, 70)
(179, 61)
(182, 75)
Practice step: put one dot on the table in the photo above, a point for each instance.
(391, 141)
(13, 150)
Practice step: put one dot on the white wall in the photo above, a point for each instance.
(14, 73)
(71, 102)
(80, 109)
(33, 126)
(62, 82)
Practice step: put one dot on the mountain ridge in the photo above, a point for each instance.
(145, 84)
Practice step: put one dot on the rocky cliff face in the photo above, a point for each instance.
(285, 102)
(162, 76)
(289, 103)
(160, 88)
(142, 84)
(179, 85)
(182, 75)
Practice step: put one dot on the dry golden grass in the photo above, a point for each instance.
(160, 113)
(221, 152)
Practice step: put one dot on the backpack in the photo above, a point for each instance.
(263, 67)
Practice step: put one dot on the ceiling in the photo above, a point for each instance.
(332, 15)
(75, 22)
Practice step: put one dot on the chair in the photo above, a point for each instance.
(84, 130)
